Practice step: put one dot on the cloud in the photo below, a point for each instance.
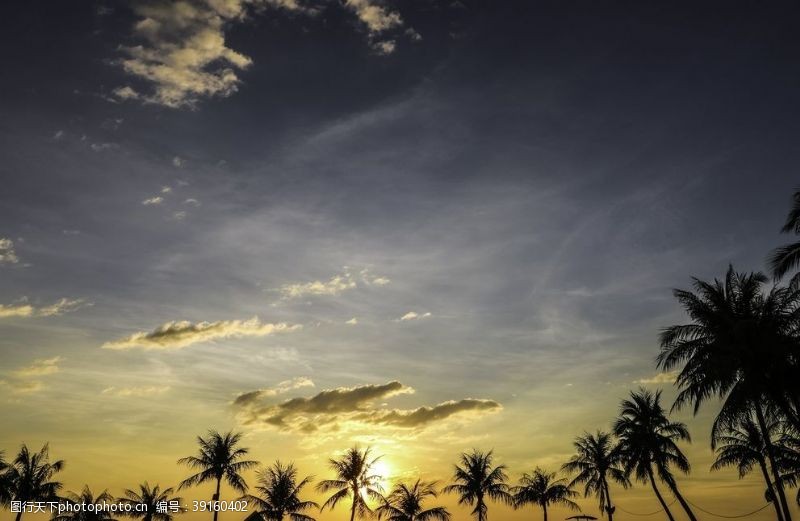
(192, 201)
(179, 216)
(7, 253)
(58, 135)
(99, 147)
(40, 367)
(180, 334)
(354, 407)
(183, 54)
(413, 315)
(16, 310)
(352, 322)
(153, 200)
(57, 308)
(425, 415)
(137, 392)
(660, 378)
(177, 162)
(62, 306)
(332, 286)
(22, 386)
(245, 399)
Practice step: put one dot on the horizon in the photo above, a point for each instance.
(422, 227)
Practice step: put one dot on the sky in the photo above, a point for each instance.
(423, 226)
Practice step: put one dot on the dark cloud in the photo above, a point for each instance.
(332, 409)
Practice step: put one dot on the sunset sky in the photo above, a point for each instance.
(420, 225)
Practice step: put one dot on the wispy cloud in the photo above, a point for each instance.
(23, 309)
(660, 378)
(150, 201)
(334, 286)
(136, 392)
(39, 367)
(413, 315)
(180, 334)
(8, 254)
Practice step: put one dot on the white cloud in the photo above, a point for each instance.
(660, 378)
(180, 334)
(7, 253)
(166, 189)
(58, 135)
(352, 322)
(281, 388)
(23, 309)
(40, 367)
(153, 200)
(179, 216)
(99, 147)
(192, 201)
(125, 93)
(137, 392)
(332, 286)
(413, 315)
(177, 162)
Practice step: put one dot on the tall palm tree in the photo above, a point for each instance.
(543, 489)
(279, 495)
(355, 479)
(404, 503)
(219, 457)
(648, 445)
(787, 257)
(596, 462)
(30, 477)
(4, 484)
(145, 502)
(476, 480)
(86, 497)
(742, 445)
(740, 346)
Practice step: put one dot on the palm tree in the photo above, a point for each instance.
(543, 489)
(29, 477)
(279, 495)
(219, 457)
(476, 480)
(787, 257)
(405, 501)
(4, 484)
(648, 444)
(742, 445)
(146, 502)
(355, 479)
(86, 497)
(741, 347)
(596, 462)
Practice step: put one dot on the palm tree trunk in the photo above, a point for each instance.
(762, 424)
(19, 515)
(658, 494)
(353, 510)
(609, 506)
(216, 498)
(765, 472)
(674, 488)
(544, 509)
(481, 509)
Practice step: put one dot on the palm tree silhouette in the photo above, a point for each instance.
(596, 462)
(29, 477)
(741, 347)
(86, 497)
(219, 457)
(648, 444)
(355, 479)
(405, 501)
(279, 495)
(476, 480)
(146, 502)
(543, 489)
(787, 257)
(4, 482)
(742, 445)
